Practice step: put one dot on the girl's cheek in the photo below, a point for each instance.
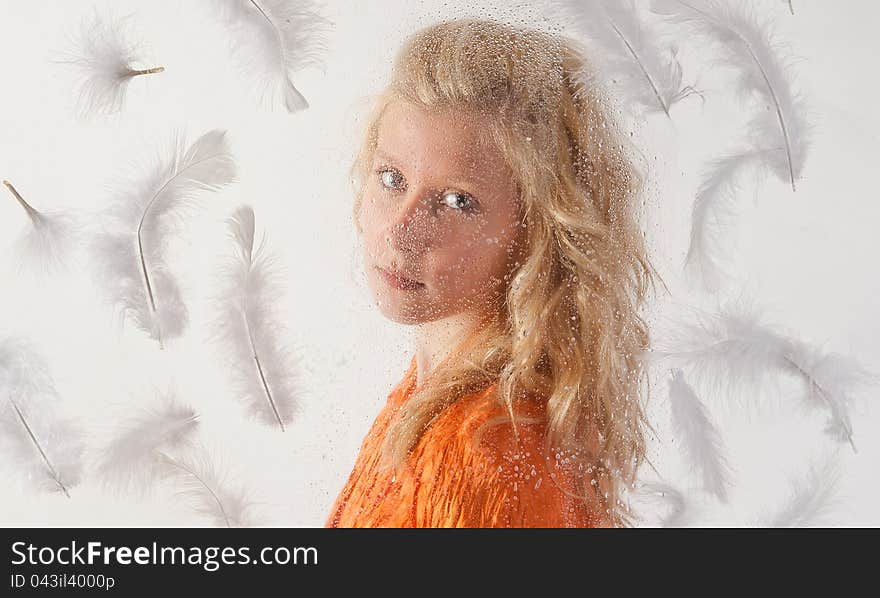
(367, 215)
(368, 232)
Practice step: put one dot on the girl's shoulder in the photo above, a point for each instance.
(513, 476)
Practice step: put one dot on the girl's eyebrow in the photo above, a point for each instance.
(385, 156)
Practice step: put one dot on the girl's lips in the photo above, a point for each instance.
(398, 282)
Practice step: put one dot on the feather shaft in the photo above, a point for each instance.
(641, 65)
(809, 379)
(266, 388)
(31, 212)
(265, 16)
(151, 71)
(778, 108)
(193, 474)
(45, 458)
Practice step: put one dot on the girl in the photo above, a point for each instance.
(495, 204)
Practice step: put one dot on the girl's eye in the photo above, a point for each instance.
(458, 201)
(392, 179)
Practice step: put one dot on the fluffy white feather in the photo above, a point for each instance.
(699, 436)
(48, 239)
(250, 332)
(729, 352)
(272, 39)
(734, 350)
(37, 441)
(677, 511)
(196, 479)
(830, 381)
(132, 460)
(747, 46)
(632, 54)
(811, 498)
(130, 252)
(106, 60)
(714, 213)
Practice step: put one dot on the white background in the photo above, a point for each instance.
(807, 256)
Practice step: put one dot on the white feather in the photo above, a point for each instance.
(632, 55)
(699, 436)
(830, 381)
(107, 62)
(733, 350)
(48, 239)
(272, 39)
(37, 441)
(250, 331)
(132, 460)
(131, 251)
(677, 512)
(729, 351)
(812, 498)
(197, 480)
(713, 214)
(747, 45)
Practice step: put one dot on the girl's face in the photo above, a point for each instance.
(439, 217)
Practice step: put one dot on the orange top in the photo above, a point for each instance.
(451, 484)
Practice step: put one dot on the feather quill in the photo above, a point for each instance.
(249, 330)
(747, 46)
(632, 55)
(273, 39)
(133, 460)
(197, 480)
(36, 438)
(131, 252)
(105, 58)
(47, 240)
(698, 434)
(735, 350)
(811, 498)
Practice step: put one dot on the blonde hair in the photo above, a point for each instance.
(570, 331)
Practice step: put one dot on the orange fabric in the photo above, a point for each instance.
(497, 484)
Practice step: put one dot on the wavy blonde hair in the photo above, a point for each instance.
(569, 330)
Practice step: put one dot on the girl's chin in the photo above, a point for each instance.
(400, 310)
(401, 315)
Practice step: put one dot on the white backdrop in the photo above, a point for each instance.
(808, 256)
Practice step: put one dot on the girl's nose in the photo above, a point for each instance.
(413, 226)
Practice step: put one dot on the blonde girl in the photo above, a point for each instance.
(496, 204)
